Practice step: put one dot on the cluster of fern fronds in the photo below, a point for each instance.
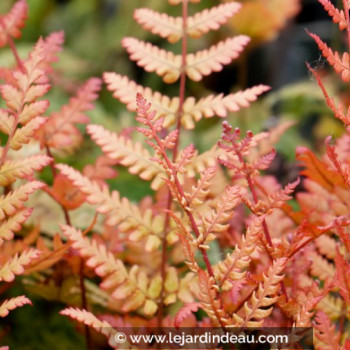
(151, 263)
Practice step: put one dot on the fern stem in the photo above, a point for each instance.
(182, 92)
(84, 303)
(264, 225)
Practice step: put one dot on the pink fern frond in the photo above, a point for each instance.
(12, 304)
(11, 23)
(338, 16)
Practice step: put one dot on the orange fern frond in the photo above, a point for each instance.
(153, 59)
(15, 266)
(260, 305)
(11, 23)
(60, 131)
(13, 201)
(340, 64)
(337, 110)
(219, 105)
(209, 301)
(327, 338)
(12, 304)
(341, 273)
(337, 16)
(205, 62)
(130, 154)
(125, 91)
(234, 267)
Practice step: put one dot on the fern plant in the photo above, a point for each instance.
(153, 263)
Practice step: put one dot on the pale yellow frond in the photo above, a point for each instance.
(12, 304)
(13, 224)
(13, 201)
(15, 266)
(205, 62)
(211, 19)
(161, 24)
(219, 105)
(21, 168)
(125, 91)
(320, 267)
(119, 211)
(91, 320)
(24, 134)
(153, 59)
(333, 306)
(130, 154)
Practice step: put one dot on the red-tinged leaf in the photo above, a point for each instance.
(7, 122)
(22, 168)
(338, 16)
(12, 22)
(325, 332)
(102, 169)
(60, 131)
(317, 170)
(12, 304)
(185, 158)
(185, 312)
(32, 110)
(342, 276)
(340, 64)
(35, 92)
(170, 140)
(26, 133)
(66, 193)
(12, 97)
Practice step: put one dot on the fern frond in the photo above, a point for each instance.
(125, 91)
(13, 201)
(211, 19)
(11, 23)
(15, 266)
(170, 28)
(12, 304)
(205, 62)
(218, 219)
(332, 306)
(60, 130)
(234, 267)
(119, 211)
(99, 258)
(13, 224)
(90, 320)
(132, 287)
(21, 168)
(327, 338)
(133, 155)
(209, 301)
(184, 312)
(219, 105)
(337, 16)
(340, 64)
(341, 276)
(327, 246)
(260, 305)
(337, 110)
(153, 59)
(201, 189)
(320, 267)
(161, 24)
(24, 134)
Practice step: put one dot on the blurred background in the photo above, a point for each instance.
(276, 56)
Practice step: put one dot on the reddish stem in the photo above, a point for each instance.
(175, 152)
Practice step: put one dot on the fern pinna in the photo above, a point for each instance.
(217, 237)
